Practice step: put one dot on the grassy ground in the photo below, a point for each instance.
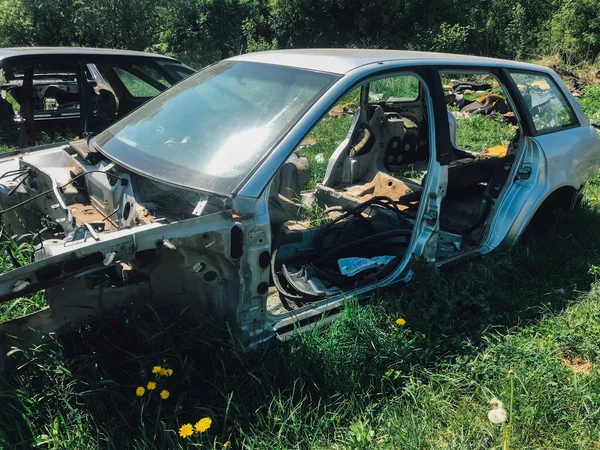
(362, 383)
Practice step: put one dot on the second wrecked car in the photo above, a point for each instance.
(196, 199)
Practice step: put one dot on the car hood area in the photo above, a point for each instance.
(96, 236)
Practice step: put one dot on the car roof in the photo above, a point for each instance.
(341, 61)
(6, 53)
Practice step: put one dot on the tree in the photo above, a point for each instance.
(16, 27)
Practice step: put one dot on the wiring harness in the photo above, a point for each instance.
(296, 285)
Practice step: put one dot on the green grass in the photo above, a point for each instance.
(9, 140)
(361, 383)
(476, 132)
(21, 249)
(324, 138)
(327, 135)
(590, 102)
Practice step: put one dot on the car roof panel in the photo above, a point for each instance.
(341, 61)
(12, 52)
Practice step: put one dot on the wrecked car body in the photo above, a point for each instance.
(75, 91)
(196, 199)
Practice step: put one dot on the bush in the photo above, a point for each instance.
(574, 31)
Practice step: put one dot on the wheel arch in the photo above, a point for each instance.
(563, 198)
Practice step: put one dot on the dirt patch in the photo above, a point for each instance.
(342, 110)
(307, 142)
(576, 364)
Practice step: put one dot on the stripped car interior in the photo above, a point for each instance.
(76, 91)
(198, 199)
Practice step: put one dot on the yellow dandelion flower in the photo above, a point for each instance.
(186, 430)
(164, 394)
(140, 391)
(162, 372)
(151, 385)
(593, 199)
(203, 424)
(169, 372)
(400, 321)
(156, 369)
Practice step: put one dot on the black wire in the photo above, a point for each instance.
(13, 190)
(13, 172)
(112, 213)
(41, 194)
(379, 236)
(382, 201)
(331, 276)
(284, 295)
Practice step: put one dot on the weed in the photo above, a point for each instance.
(315, 214)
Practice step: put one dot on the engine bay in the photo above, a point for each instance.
(85, 196)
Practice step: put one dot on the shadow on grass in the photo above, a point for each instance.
(291, 394)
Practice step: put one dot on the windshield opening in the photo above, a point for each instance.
(209, 131)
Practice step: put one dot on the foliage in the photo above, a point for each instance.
(201, 32)
(451, 38)
(254, 44)
(16, 27)
(575, 31)
(476, 132)
(590, 103)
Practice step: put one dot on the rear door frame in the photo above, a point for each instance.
(49, 59)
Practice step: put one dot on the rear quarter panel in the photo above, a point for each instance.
(573, 156)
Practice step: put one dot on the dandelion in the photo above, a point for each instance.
(227, 444)
(140, 391)
(151, 385)
(593, 199)
(162, 372)
(496, 403)
(400, 321)
(156, 369)
(169, 372)
(164, 394)
(497, 415)
(186, 430)
(203, 424)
